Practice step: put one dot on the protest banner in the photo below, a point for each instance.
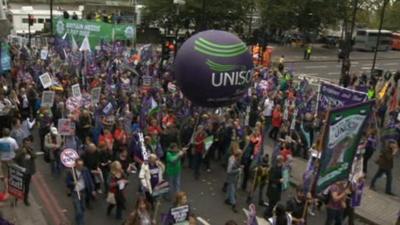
(340, 141)
(5, 58)
(96, 31)
(46, 81)
(66, 127)
(333, 96)
(48, 98)
(76, 91)
(16, 181)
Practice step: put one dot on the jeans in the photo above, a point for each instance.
(55, 166)
(267, 124)
(349, 212)
(27, 179)
(118, 212)
(174, 184)
(273, 134)
(79, 207)
(378, 174)
(231, 193)
(334, 215)
(198, 158)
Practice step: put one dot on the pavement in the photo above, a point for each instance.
(21, 214)
(376, 208)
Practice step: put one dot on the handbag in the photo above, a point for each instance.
(111, 198)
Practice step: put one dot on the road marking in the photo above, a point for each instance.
(315, 67)
(355, 63)
(365, 68)
(367, 65)
(203, 221)
(333, 73)
(391, 64)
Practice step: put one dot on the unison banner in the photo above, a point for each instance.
(96, 31)
(341, 138)
(334, 96)
(5, 59)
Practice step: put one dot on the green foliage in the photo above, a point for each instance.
(219, 14)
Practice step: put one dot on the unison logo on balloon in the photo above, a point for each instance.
(213, 68)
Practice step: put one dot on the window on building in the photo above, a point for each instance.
(41, 20)
(47, 20)
(25, 20)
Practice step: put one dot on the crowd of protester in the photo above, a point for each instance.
(152, 131)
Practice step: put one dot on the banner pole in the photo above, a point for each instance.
(75, 182)
(318, 96)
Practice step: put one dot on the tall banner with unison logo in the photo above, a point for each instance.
(97, 31)
(5, 59)
(333, 96)
(341, 138)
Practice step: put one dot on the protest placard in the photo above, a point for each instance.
(95, 92)
(16, 185)
(107, 109)
(43, 54)
(46, 81)
(48, 98)
(76, 91)
(146, 81)
(66, 127)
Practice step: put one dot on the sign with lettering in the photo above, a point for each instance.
(180, 214)
(48, 98)
(16, 185)
(46, 81)
(76, 91)
(66, 127)
(96, 31)
(68, 157)
(96, 92)
(333, 96)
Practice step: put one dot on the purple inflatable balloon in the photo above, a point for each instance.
(213, 68)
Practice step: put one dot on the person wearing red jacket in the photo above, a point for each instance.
(276, 122)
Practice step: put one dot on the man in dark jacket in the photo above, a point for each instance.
(81, 188)
(274, 189)
(26, 159)
(385, 163)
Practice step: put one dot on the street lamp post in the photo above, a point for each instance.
(51, 17)
(204, 16)
(378, 38)
(347, 44)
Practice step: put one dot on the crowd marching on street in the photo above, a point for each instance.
(119, 108)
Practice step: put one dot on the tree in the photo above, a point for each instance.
(219, 14)
(392, 17)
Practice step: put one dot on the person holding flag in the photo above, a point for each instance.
(297, 207)
(150, 175)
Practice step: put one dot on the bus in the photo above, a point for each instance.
(366, 40)
(396, 41)
(41, 16)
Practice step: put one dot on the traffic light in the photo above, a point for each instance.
(30, 19)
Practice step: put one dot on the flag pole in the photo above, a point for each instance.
(318, 96)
